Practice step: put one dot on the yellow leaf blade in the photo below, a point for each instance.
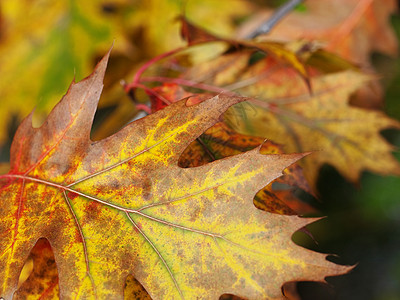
(123, 206)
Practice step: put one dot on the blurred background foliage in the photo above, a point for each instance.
(44, 44)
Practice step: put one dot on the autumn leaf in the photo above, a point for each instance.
(220, 141)
(342, 135)
(194, 35)
(162, 96)
(285, 111)
(123, 206)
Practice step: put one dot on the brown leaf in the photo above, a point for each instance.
(325, 122)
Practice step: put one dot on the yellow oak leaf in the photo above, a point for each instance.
(122, 206)
(342, 135)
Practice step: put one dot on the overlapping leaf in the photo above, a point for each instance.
(220, 141)
(194, 34)
(123, 206)
(343, 135)
(346, 137)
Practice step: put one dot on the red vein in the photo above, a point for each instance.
(189, 83)
(121, 208)
(16, 224)
(158, 253)
(83, 241)
(145, 66)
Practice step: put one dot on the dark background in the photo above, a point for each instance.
(363, 224)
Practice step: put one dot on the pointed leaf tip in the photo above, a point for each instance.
(102, 64)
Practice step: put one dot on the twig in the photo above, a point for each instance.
(275, 18)
(188, 83)
(136, 78)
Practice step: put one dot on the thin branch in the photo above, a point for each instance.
(189, 83)
(278, 15)
(136, 78)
